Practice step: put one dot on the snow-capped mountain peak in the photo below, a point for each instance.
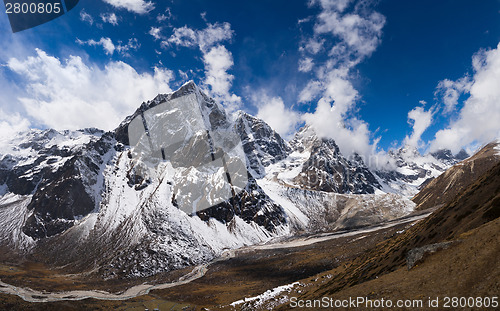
(149, 196)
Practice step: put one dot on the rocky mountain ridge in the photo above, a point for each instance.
(82, 199)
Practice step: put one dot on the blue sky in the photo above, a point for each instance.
(370, 74)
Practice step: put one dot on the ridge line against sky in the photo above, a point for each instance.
(334, 64)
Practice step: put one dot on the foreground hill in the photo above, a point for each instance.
(457, 178)
(453, 252)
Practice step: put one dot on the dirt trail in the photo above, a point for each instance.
(31, 295)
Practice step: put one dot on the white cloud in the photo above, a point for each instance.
(313, 46)
(273, 111)
(351, 135)
(304, 20)
(10, 125)
(156, 33)
(86, 17)
(204, 38)
(132, 45)
(218, 60)
(109, 47)
(338, 5)
(183, 36)
(73, 94)
(361, 34)
(420, 120)
(355, 31)
(450, 91)
(135, 6)
(478, 120)
(163, 17)
(306, 64)
(106, 43)
(311, 91)
(110, 18)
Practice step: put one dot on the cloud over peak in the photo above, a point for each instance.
(72, 94)
(344, 33)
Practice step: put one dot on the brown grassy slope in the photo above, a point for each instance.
(478, 204)
(449, 184)
(467, 269)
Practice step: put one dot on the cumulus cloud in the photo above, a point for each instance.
(110, 18)
(72, 94)
(361, 34)
(420, 120)
(132, 45)
(109, 47)
(311, 91)
(313, 46)
(273, 111)
(344, 33)
(218, 60)
(477, 121)
(135, 6)
(351, 135)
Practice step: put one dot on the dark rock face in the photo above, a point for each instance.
(328, 170)
(56, 204)
(251, 204)
(446, 155)
(67, 192)
(262, 145)
(21, 175)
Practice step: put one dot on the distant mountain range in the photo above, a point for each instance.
(79, 198)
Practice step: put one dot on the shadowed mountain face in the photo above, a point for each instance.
(124, 216)
(445, 187)
(327, 169)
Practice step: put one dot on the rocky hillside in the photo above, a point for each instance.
(473, 207)
(445, 187)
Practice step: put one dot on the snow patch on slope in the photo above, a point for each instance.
(324, 211)
(263, 298)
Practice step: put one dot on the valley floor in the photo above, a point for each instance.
(250, 271)
(468, 268)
